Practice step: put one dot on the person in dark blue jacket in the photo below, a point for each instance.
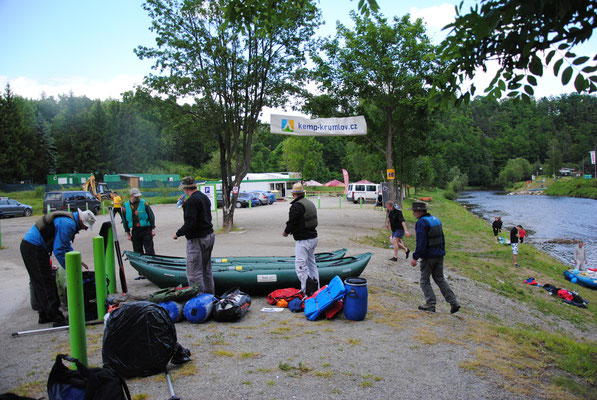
(431, 249)
(53, 233)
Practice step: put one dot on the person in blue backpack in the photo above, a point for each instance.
(53, 233)
(431, 249)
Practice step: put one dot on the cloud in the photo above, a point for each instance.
(111, 87)
(435, 18)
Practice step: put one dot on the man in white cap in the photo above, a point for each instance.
(302, 221)
(53, 233)
(139, 223)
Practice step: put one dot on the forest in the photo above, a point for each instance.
(145, 133)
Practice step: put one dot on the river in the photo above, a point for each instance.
(552, 223)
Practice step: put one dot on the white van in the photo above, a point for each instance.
(365, 191)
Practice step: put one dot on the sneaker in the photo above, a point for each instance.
(454, 309)
(393, 259)
(427, 307)
(517, 265)
(140, 277)
(407, 253)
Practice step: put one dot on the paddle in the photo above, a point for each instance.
(119, 254)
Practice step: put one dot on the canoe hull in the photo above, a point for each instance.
(326, 256)
(251, 278)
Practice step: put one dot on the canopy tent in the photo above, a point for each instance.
(365, 182)
(312, 183)
(335, 182)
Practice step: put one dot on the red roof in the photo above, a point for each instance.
(335, 182)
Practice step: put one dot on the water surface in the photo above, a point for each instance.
(551, 222)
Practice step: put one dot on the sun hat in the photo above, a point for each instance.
(298, 188)
(188, 182)
(135, 192)
(87, 218)
(419, 206)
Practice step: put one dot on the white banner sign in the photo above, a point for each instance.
(592, 152)
(299, 126)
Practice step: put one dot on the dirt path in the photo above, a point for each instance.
(396, 352)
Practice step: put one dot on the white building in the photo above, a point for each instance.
(280, 181)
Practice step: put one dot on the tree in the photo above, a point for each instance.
(14, 134)
(232, 69)
(305, 155)
(382, 69)
(515, 33)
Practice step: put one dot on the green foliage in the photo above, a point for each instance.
(304, 154)
(515, 170)
(516, 33)
(457, 180)
(379, 68)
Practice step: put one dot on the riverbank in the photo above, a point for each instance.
(563, 186)
(509, 341)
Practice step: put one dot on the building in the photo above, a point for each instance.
(280, 181)
(73, 179)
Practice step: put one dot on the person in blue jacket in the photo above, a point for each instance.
(52, 233)
(139, 223)
(431, 249)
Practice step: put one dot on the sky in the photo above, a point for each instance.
(86, 47)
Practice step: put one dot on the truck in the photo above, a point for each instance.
(100, 190)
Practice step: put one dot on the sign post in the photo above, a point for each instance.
(210, 192)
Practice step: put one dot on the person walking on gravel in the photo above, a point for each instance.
(431, 249)
(395, 221)
(302, 221)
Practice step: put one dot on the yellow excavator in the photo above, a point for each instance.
(99, 189)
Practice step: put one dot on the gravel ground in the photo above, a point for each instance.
(396, 351)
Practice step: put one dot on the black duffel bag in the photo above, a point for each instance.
(231, 306)
(85, 383)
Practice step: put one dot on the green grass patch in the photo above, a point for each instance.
(573, 187)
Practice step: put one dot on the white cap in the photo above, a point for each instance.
(87, 218)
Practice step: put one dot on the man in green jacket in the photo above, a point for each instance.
(139, 223)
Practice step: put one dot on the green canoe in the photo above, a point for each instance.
(168, 260)
(252, 278)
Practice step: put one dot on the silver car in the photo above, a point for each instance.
(11, 208)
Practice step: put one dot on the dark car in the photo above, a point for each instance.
(71, 200)
(12, 208)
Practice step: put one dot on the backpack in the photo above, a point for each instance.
(84, 383)
(232, 306)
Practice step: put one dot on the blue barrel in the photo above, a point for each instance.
(198, 309)
(355, 301)
(175, 310)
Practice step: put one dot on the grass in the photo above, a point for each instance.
(526, 357)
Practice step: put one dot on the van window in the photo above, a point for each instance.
(53, 196)
(359, 188)
(69, 196)
(350, 187)
(371, 188)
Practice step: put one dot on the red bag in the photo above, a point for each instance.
(334, 309)
(284, 294)
(564, 294)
